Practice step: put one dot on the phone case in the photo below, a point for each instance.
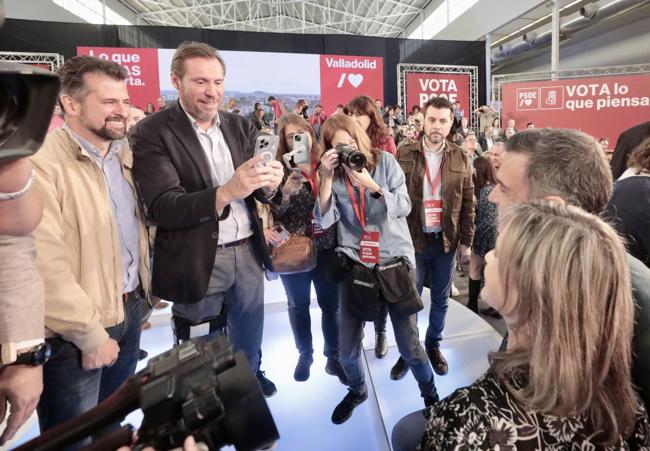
(267, 146)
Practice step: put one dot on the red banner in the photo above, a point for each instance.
(421, 86)
(142, 64)
(600, 106)
(345, 77)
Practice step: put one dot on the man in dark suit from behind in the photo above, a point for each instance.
(199, 180)
(627, 141)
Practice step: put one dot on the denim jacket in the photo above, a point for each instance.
(386, 215)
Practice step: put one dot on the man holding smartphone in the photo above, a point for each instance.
(199, 179)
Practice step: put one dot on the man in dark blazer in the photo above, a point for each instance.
(199, 180)
(627, 141)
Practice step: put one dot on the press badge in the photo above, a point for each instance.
(316, 230)
(433, 213)
(369, 248)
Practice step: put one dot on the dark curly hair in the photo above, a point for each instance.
(377, 131)
(640, 157)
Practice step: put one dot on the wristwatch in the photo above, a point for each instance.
(38, 355)
(378, 194)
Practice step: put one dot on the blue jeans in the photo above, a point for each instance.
(69, 390)
(298, 290)
(236, 283)
(408, 343)
(441, 270)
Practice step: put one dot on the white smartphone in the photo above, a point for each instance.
(267, 146)
(299, 157)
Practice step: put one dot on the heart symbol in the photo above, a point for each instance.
(528, 102)
(355, 79)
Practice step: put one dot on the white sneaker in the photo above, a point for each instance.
(454, 290)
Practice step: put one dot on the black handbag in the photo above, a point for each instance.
(338, 266)
(360, 293)
(397, 287)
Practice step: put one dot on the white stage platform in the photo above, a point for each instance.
(302, 410)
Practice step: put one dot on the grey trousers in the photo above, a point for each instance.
(236, 282)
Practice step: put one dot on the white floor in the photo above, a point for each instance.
(302, 410)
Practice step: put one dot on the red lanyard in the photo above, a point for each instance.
(312, 179)
(359, 212)
(435, 183)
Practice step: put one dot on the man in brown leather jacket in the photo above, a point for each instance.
(439, 179)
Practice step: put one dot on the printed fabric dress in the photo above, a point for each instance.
(484, 416)
(485, 235)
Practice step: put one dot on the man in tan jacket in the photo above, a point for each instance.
(92, 243)
(439, 179)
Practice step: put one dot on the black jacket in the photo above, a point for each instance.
(174, 179)
(626, 143)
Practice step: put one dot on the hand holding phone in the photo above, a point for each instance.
(299, 157)
(282, 237)
(267, 146)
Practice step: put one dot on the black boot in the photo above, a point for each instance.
(474, 291)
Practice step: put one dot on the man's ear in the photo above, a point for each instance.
(70, 106)
(175, 81)
(555, 199)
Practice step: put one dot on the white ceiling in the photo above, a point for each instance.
(385, 18)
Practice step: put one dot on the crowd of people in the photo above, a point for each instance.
(174, 203)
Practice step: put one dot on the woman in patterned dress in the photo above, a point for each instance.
(485, 235)
(559, 277)
(295, 214)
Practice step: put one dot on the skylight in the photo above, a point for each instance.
(92, 11)
(443, 15)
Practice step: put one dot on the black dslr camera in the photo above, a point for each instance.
(198, 388)
(351, 157)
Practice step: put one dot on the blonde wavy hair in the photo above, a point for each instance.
(340, 121)
(565, 274)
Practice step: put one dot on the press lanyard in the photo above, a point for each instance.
(313, 184)
(435, 183)
(359, 212)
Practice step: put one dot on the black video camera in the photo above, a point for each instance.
(351, 157)
(198, 388)
(27, 98)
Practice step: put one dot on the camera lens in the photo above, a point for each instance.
(11, 114)
(297, 137)
(357, 161)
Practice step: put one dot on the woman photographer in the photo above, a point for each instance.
(299, 193)
(365, 112)
(369, 207)
(559, 277)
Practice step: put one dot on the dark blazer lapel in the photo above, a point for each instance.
(230, 135)
(181, 127)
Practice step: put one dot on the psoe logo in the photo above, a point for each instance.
(528, 98)
(552, 97)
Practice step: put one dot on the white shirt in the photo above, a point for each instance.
(434, 161)
(238, 224)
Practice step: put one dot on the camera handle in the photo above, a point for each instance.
(112, 409)
(113, 440)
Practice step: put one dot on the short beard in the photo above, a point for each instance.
(109, 135)
(193, 111)
(104, 133)
(431, 141)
